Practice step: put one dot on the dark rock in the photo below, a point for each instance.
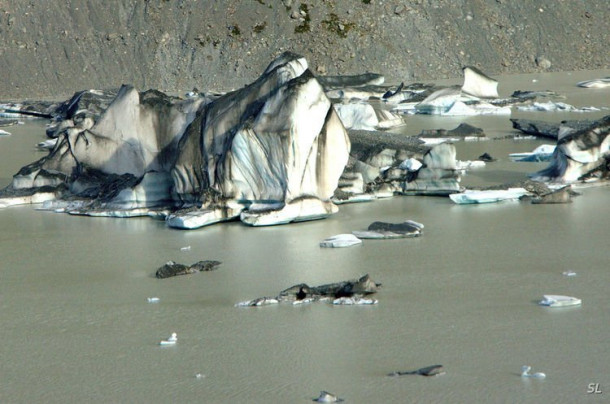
(434, 370)
(171, 269)
(356, 289)
(548, 129)
(461, 131)
(383, 230)
(486, 157)
(562, 195)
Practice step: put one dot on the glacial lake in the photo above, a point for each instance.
(77, 326)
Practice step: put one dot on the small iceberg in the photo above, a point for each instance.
(541, 153)
(170, 341)
(326, 397)
(469, 164)
(153, 300)
(187, 248)
(340, 241)
(47, 144)
(478, 84)
(560, 301)
(595, 83)
(569, 274)
(525, 372)
(261, 301)
(489, 196)
(4, 133)
(354, 301)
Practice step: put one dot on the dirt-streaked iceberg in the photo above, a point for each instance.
(269, 153)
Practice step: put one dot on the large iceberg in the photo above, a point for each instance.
(580, 155)
(269, 153)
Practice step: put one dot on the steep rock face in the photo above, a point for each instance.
(271, 152)
(580, 154)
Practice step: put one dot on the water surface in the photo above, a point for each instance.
(77, 327)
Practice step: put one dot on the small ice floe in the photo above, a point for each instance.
(340, 241)
(525, 372)
(431, 141)
(559, 301)
(261, 301)
(47, 144)
(153, 300)
(199, 376)
(488, 196)
(595, 83)
(541, 153)
(569, 274)
(551, 106)
(4, 133)
(170, 341)
(326, 397)
(187, 248)
(354, 301)
(469, 164)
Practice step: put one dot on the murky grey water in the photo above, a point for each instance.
(76, 325)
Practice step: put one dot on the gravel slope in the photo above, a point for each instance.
(53, 48)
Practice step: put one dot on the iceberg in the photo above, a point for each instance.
(595, 83)
(560, 301)
(487, 196)
(541, 153)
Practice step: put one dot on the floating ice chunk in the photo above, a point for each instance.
(326, 397)
(47, 144)
(460, 108)
(303, 301)
(569, 273)
(199, 376)
(261, 301)
(525, 372)
(340, 240)
(153, 300)
(410, 164)
(551, 106)
(351, 301)
(595, 83)
(541, 153)
(479, 84)
(187, 248)
(431, 141)
(559, 301)
(4, 133)
(469, 164)
(490, 196)
(171, 340)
